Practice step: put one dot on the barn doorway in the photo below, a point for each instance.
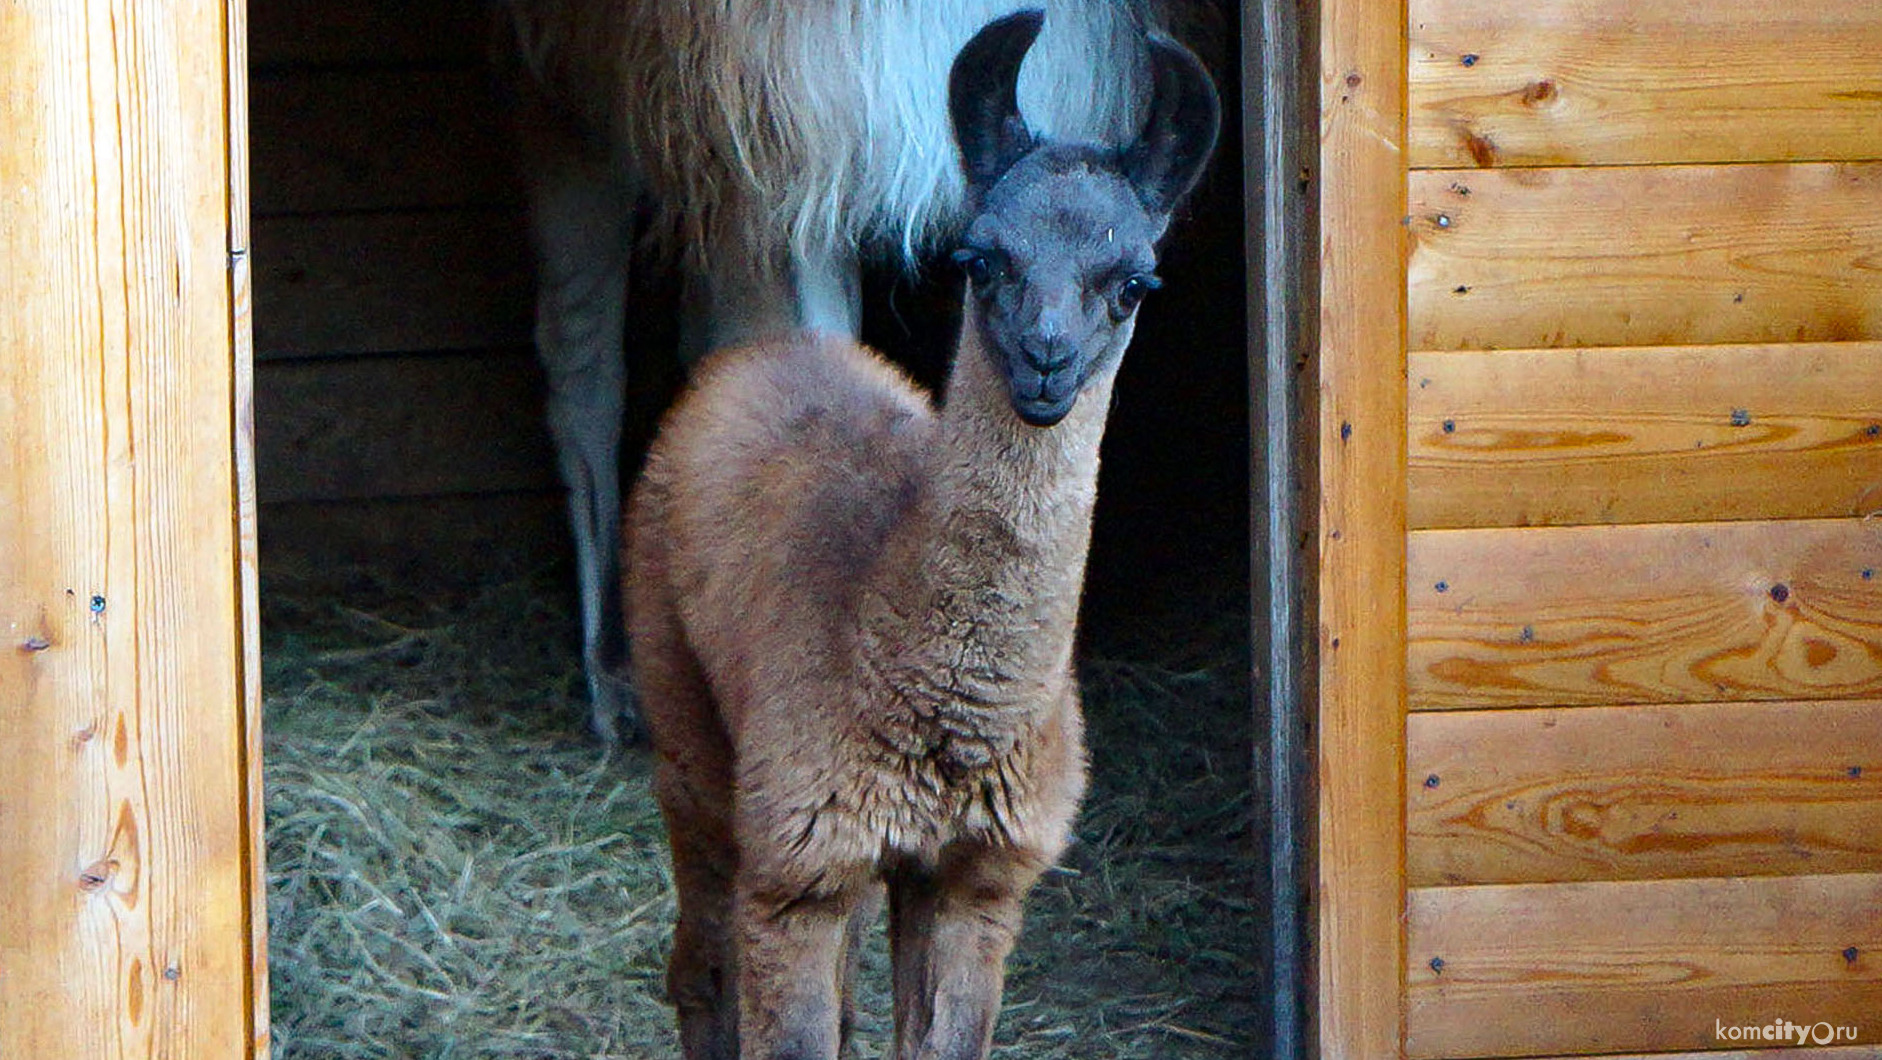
(454, 870)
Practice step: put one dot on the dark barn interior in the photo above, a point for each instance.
(421, 645)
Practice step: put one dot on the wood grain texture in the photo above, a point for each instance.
(1559, 437)
(350, 428)
(1663, 613)
(382, 282)
(376, 139)
(1360, 730)
(247, 547)
(127, 917)
(1597, 82)
(1645, 256)
(1729, 789)
(1529, 970)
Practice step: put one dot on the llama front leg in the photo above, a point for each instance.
(747, 295)
(581, 217)
(953, 933)
(792, 962)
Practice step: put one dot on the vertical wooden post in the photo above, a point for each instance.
(1361, 717)
(131, 917)
(1280, 99)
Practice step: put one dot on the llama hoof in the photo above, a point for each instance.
(613, 711)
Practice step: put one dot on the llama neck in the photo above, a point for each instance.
(987, 568)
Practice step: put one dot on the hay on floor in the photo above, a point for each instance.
(454, 872)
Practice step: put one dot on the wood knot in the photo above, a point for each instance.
(94, 878)
(1539, 92)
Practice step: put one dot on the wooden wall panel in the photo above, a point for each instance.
(1597, 82)
(357, 428)
(247, 516)
(376, 139)
(321, 33)
(1646, 255)
(1663, 613)
(128, 926)
(1732, 789)
(371, 283)
(1360, 723)
(1557, 437)
(1539, 969)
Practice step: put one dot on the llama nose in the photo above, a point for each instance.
(1046, 356)
(1049, 347)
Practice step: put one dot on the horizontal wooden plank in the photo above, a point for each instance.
(385, 282)
(1645, 256)
(449, 540)
(333, 429)
(1535, 969)
(1556, 437)
(1577, 793)
(378, 140)
(1663, 613)
(1595, 82)
(367, 32)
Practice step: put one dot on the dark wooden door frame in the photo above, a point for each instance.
(1280, 75)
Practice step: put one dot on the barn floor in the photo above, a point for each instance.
(454, 873)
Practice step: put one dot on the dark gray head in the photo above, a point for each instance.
(1062, 244)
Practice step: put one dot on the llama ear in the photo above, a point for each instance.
(983, 97)
(1180, 131)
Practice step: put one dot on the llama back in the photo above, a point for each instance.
(785, 463)
(817, 123)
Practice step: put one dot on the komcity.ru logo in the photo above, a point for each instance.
(1820, 1033)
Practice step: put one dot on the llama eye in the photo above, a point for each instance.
(1132, 291)
(980, 268)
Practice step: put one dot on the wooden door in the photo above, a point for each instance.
(131, 917)
(1599, 568)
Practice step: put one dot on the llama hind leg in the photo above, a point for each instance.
(693, 783)
(701, 972)
(581, 214)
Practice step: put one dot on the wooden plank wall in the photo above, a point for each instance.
(131, 912)
(1360, 724)
(395, 387)
(1643, 777)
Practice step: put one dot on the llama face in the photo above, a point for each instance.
(1062, 245)
(1058, 259)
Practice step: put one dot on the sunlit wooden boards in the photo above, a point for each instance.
(1644, 792)
(1646, 255)
(1674, 434)
(1650, 965)
(1644, 774)
(1594, 82)
(1644, 565)
(130, 910)
(1660, 613)
(1359, 889)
